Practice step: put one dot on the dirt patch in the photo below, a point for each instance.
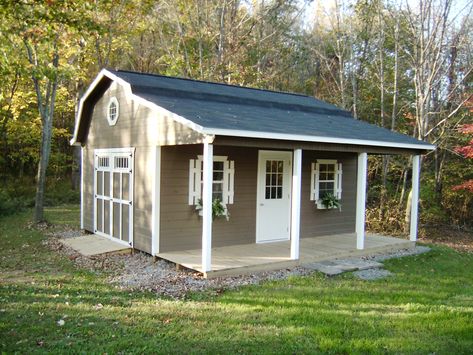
(452, 237)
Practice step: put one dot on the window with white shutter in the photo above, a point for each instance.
(222, 184)
(326, 177)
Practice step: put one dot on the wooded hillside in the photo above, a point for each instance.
(405, 66)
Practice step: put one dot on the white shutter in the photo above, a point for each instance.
(228, 180)
(338, 181)
(195, 167)
(314, 182)
(317, 178)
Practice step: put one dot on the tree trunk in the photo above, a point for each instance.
(46, 102)
(76, 167)
(42, 168)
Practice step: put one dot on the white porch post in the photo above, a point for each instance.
(415, 197)
(361, 199)
(207, 178)
(296, 203)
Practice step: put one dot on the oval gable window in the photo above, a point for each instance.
(113, 111)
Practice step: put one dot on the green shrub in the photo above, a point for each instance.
(10, 205)
(20, 194)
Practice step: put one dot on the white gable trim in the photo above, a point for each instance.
(129, 94)
(318, 139)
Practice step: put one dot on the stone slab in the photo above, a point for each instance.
(92, 244)
(336, 267)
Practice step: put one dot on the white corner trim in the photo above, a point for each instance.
(156, 201)
(317, 139)
(82, 187)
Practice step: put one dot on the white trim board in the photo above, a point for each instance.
(156, 201)
(315, 139)
(82, 186)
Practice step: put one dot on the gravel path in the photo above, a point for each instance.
(139, 271)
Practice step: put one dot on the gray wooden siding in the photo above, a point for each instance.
(181, 227)
(317, 222)
(138, 127)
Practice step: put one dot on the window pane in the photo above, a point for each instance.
(268, 193)
(268, 166)
(273, 192)
(218, 165)
(280, 166)
(330, 176)
(106, 183)
(217, 195)
(279, 179)
(279, 192)
(268, 179)
(273, 179)
(322, 167)
(218, 175)
(274, 166)
(330, 186)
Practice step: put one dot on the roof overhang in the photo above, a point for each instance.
(316, 139)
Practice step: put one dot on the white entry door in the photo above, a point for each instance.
(113, 194)
(274, 196)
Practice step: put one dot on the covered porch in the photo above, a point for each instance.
(241, 259)
(296, 250)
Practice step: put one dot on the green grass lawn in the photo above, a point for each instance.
(426, 307)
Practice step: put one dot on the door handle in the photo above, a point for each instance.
(261, 204)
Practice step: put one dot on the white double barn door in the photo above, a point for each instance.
(113, 194)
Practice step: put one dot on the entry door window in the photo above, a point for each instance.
(274, 179)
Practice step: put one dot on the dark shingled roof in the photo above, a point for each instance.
(220, 106)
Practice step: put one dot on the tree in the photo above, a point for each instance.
(467, 152)
(48, 32)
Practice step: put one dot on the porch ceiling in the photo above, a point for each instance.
(241, 259)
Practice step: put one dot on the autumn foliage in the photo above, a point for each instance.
(467, 152)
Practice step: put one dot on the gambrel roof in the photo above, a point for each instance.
(228, 110)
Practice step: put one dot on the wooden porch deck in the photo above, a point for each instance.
(241, 259)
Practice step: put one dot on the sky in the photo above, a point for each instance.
(459, 7)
